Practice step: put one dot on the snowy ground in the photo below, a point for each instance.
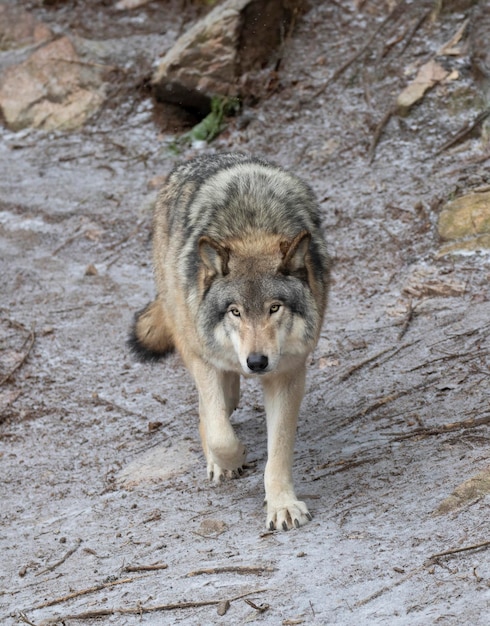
(102, 472)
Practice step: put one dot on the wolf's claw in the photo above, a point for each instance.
(218, 475)
(287, 514)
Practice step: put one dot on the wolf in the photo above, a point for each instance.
(242, 276)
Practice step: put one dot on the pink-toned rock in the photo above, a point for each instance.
(19, 28)
(237, 36)
(52, 89)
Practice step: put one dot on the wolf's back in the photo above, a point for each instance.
(233, 195)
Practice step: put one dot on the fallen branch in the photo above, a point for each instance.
(237, 569)
(338, 72)
(145, 568)
(387, 588)
(260, 609)
(407, 319)
(384, 400)
(453, 551)
(78, 233)
(140, 609)
(378, 132)
(29, 341)
(464, 132)
(343, 466)
(416, 26)
(361, 364)
(472, 422)
(468, 356)
(82, 592)
(24, 619)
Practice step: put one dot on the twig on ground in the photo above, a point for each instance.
(464, 132)
(387, 588)
(139, 609)
(361, 364)
(343, 466)
(52, 567)
(82, 592)
(385, 400)
(24, 619)
(472, 422)
(416, 26)
(29, 341)
(145, 568)
(406, 321)
(338, 72)
(453, 551)
(260, 609)
(463, 357)
(78, 233)
(378, 132)
(237, 569)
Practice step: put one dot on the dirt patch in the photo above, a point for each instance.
(396, 414)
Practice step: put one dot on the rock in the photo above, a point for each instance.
(236, 37)
(52, 89)
(19, 28)
(466, 220)
(91, 270)
(466, 216)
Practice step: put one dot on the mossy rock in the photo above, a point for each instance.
(466, 216)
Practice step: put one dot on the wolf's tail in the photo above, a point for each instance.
(150, 339)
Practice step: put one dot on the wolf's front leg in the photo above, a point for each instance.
(282, 396)
(218, 397)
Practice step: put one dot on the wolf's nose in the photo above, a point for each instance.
(257, 362)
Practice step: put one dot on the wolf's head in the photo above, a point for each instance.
(259, 309)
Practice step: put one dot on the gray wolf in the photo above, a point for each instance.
(242, 275)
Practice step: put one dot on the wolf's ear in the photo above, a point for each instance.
(214, 256)
(294, 254)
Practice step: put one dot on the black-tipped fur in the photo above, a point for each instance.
(143, 352)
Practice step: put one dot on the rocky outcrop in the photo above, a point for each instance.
(52, 89)
(465, 222)
(43, 81)
(236, 37)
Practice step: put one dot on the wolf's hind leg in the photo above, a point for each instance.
(218, 396)
(282, 396)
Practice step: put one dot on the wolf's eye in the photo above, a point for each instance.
(235, 312)
(274, 308)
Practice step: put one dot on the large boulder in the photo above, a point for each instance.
(52, 89)
(236, 37)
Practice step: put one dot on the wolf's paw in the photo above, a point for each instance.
(218, 475)
(228, 466)
(287, 514)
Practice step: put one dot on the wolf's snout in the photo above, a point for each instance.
(257, 362)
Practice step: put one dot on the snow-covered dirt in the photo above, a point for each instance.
(106, 515)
